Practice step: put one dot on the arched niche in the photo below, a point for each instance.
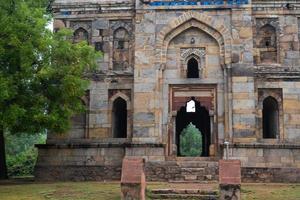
(267, 43)
(190, 19)
(270, 118)
(119, 118)
(81, 34)
(114, 97)
(204, 53)
(121, 43)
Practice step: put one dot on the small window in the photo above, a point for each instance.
(99, 46)
(121, 45)
(270, 118)
(192, 68)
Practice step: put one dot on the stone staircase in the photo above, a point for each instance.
(197, 170)
(183, 194)
(184, 170)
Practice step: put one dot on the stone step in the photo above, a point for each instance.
(194, 181)
(198, 159)
(197, 164)
(193, 171)
(185, 191)
(184, 196)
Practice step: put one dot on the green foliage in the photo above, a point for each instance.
(41, 73)
(21, 154)
(42, 76)
(190, 141)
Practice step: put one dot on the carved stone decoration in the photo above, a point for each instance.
(82, 30)
(121, 45)
(198, 54)
(267, 32)
(186, 52)
(87, 25)
(114, 25)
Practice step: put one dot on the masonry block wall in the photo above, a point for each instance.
(239, 61)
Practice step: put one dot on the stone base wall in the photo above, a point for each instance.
(267, 175)
(260, 163)
(78, 173)
(160, 172)
(266, 155)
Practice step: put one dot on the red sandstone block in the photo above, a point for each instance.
(133, 170)
(230, 172)
(133, 180)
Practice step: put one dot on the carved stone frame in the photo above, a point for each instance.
(186, 54)
(263, 93)
(122, 94)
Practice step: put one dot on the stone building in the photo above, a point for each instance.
(235, 63)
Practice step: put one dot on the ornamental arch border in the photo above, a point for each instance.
(211, 26)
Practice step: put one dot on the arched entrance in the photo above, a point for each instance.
(200, 119)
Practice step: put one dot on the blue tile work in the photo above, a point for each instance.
(199, 2)
(65, 13)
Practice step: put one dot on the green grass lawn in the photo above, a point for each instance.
(111, 191)
(271, 191)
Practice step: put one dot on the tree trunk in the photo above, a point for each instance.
(3, 170)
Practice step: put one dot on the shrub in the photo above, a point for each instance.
(21, 154)
(191, 141)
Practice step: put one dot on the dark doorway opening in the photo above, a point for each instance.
(192, 68)
(270, 118)
(119, 118)
(200, 118)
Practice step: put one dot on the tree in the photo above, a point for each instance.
(190, 141)
(41, 73)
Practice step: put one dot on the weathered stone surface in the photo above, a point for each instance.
(244, 54)
(181, 171)
(230, 172)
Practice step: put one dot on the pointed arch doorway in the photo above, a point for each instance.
(200, 119)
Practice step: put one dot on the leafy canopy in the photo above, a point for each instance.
(41, 73)
(190, 141)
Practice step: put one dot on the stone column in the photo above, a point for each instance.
(230, 179)
(133, 180)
